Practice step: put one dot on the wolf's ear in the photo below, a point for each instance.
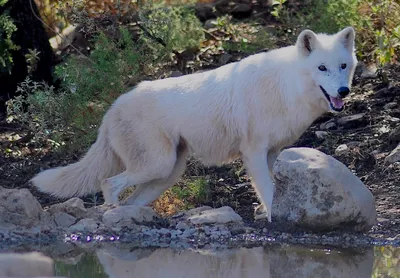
(306, 42)
(346, 37)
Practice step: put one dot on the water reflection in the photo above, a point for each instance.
(268, 262)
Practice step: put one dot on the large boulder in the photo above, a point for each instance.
(19, 207)
(317, 191)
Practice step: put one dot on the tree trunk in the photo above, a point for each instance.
(30, 34)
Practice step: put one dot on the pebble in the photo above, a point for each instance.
(188, 232)
(182, 226)
(341, 149)
(321, 134)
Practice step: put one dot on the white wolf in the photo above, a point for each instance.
(249, 109)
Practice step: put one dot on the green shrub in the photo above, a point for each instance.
(7, 28)
(70, 116)
(89, 86)
(176, 26)
(377, 23)
(194, 192)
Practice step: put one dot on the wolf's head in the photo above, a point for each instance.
(330, 61)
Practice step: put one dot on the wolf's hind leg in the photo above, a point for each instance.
(148, 192)
(137, 174)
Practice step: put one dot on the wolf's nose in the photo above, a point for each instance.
(343, 92)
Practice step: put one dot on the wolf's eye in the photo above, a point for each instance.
(322, 68)
(343, 66)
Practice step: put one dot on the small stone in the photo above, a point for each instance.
(164, 231)
(369, 71)
(394, 156)
(182, 226)
(210, 23)
(341, 149)
(220, 215)
(390, 105)
(329, 125)
(352, 121)
(394, 136)
(224, 59)
(84, 225)
(64, 219)
(242, 10)
(73, 206)
(176, 73)
(238, 231)
(128, 215)
(189, 232)
(321, 134)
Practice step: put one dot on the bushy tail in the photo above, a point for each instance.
(83, 177)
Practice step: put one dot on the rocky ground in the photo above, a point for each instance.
(364, 137)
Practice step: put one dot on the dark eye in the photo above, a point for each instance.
(322, 68)
(343, 66)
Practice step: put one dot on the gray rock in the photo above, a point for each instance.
(195, 211)
(32, 264)
(317, 191)
(331, 124)
(352, 121)
(390, 105)
(321, 134)
(125, 216)
(394, 136)
(394, 156)
(220, 215)
(175, 73)
(187, 233)
(64, 219)
(182, 226)
(341, 149)
(210, 23)
(84, 225)
(73, 206)
(19, 207)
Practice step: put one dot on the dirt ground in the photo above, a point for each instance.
(370, 136)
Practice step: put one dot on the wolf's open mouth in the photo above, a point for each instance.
(336, 103)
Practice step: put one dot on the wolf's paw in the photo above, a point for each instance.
(110, 196)
(260, 212)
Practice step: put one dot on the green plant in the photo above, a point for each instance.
(377, 25)
(89, 86)
(177, 27)
(277, 6)
(193, 192)
(7, 46)
(246, 37)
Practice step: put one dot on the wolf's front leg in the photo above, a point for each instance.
(257, 166)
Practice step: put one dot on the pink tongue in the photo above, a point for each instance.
(337, 102)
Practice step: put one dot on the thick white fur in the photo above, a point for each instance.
(249, 109)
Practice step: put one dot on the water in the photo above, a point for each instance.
(266, 261)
